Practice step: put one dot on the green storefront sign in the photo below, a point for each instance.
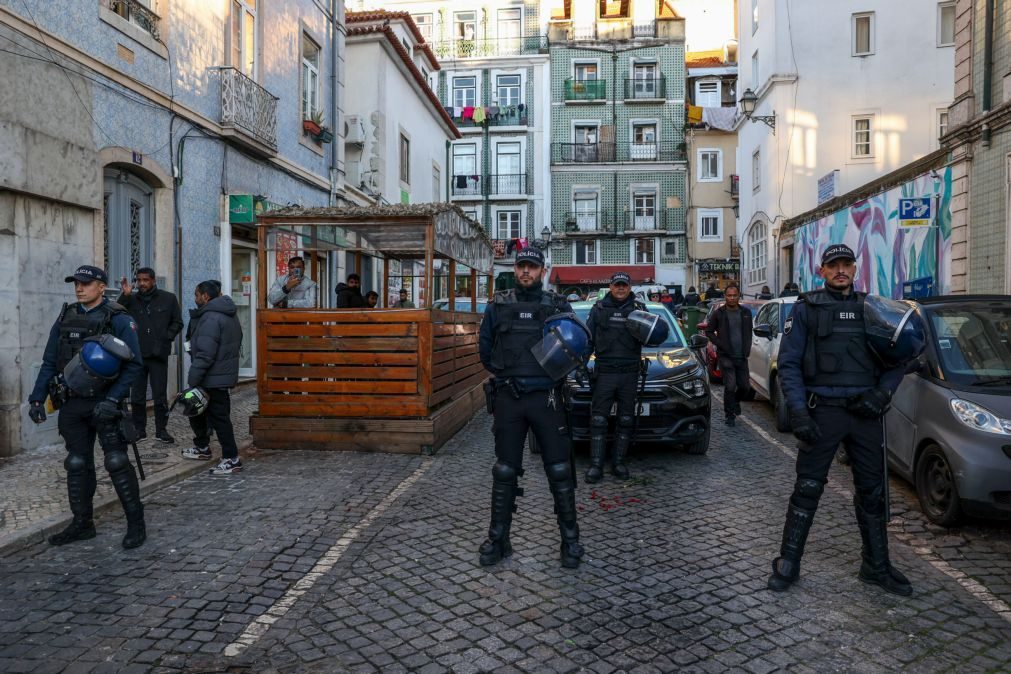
(243, 209)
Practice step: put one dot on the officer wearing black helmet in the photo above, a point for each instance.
(616, 373)
(88, 374)
(838, 381)
(522, 396)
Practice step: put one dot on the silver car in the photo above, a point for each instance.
(763, 363)
(949, 427)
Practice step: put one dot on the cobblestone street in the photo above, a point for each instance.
(368, 562)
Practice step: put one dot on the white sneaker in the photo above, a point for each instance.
(227, 467)
(200, 453)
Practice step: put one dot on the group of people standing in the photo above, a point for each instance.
(294, 290)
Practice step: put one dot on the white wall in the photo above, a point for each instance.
(815, 86)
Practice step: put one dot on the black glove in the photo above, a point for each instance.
(106, 412)
(37, 412)
(871, 404)
(804, 427)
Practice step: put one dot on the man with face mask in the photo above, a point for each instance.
(159, 319)
(837, 390)
(215, 337)
(526, 397)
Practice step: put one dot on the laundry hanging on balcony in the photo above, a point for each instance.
(478, 115)
(720, 118)
(694, 114)
(468, 112)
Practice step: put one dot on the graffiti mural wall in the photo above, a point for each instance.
(887, 254)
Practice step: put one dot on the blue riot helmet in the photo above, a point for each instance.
(649, 329)
(96, 365)
(564, 347)
(895, 330)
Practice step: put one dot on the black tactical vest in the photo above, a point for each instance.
(613, 344)
(520, 325)
(75, 327)
(837, 352)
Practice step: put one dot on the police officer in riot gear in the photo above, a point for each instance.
(838, 389)
(616, 373)
(91, 407)
(526, 397)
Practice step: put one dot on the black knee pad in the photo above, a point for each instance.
(598, 423)
(807, 492)
(626, 422)
(558, 472)
(503, 472)
(75, 464)
(117, 461)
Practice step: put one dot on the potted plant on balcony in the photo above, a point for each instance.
(315, 127)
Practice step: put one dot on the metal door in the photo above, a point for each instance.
(128, 225)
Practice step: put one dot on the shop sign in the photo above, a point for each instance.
(719, 266)
(240, 209)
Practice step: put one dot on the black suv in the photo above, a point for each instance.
(676, 401)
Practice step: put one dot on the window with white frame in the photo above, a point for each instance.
(754, 16)
(508, 169)
(464, 91)
(710, 224)
(424, 24)
(707, 94)
(754, 71)
(507, 225)
(644, 145)
(509, 30)
(585, 208)
(863, 34)
(585, 72)
(756, 170)
(644, 210)
(863, 146)
(586, 252)
(644, 80)
(756, 253)
(644, 251)
(466, 179)
(710, 162)
(405, 159)
(464, 25)
(945, 24)
(942, 122)
(507, 90)
(310, 77)
(243, 37)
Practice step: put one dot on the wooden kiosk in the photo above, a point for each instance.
(391, 380)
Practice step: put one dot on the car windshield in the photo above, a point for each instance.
(974, 343)
(674, 339)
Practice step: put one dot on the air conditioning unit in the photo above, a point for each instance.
(354, 130)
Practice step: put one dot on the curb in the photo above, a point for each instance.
(41, 530)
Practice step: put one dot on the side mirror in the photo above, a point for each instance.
(763, 330)
(698, 341)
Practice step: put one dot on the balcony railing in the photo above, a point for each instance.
(585, 90)
(596, 153)
(498, 46)
(596, 222)
(490, 185)
(506, 115)
(135, 12)
(644, 221)
(637, 89)
(249, 108)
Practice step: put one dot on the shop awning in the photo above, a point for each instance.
(599, 274)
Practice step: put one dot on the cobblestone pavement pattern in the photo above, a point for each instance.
(674, 577)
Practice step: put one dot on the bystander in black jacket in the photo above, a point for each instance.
(719, 331)
(348, 297)
(215, 344)
(158, 318)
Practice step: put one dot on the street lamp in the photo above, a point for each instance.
(545, 240)
(748, 102)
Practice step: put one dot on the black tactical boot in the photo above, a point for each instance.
(598, 451)
(876, 569)
(80, 490)
(562, 489)
(504, 490)
(786, 567)
(124, 479)
(621, 442)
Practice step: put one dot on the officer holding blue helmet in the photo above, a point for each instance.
(529, 349)
(838, 375)
(91, 358)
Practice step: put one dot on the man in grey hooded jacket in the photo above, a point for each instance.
(215, 338)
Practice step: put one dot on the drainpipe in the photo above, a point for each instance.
(614, 134)
(987, 70)
(335, 17)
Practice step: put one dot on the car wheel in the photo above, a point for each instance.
(779, 407)
(701, 446)
(532, 443)
(936, 489)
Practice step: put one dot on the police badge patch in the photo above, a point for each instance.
(788, 325)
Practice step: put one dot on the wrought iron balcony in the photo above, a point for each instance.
(592, 223)
(491, 185)
(639, 89)
(134, 12)
(606, 153)
(494, 46)
(585, 90)
(248, 112)
(645, 221)
(467, 186)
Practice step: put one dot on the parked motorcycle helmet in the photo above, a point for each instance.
(92, 369)
(564, 347)
(194, 401)
(895, 331)
(650, 329)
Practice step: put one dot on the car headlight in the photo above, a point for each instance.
(695, 387)
(979, 418)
